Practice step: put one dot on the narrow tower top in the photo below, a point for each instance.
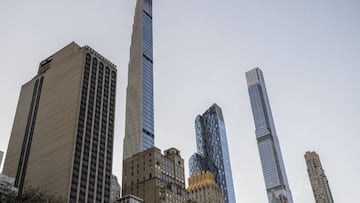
(254, 76)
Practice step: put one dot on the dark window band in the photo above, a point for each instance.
(29, 131)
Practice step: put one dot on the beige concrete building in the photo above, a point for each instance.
(203, 188)
(154, 177)
(62, 135)
(318, 179)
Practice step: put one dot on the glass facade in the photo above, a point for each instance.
(212, 151)
(139, 132)
(147, 78)
(269, 148)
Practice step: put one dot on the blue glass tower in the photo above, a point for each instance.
(276, 182)
(212, 151)
(139, 126)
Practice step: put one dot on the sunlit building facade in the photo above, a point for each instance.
(203, 188)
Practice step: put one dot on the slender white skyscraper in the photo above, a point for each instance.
(269, 149)
(139, 126)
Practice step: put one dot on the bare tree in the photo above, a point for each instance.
(34, 195)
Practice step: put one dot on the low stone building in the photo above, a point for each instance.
(203, 189)
(155, 177)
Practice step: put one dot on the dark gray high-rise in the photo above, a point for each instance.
(212, 151)
(269, 148)
(139, 126)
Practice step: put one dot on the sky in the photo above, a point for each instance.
(309, 52)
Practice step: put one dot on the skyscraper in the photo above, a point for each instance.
(269, 148)
(212, 151)
(62, 136)
(139, 126)
(318, 179)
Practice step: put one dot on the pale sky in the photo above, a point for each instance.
(309, 52)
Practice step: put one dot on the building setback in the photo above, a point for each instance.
(62, 135)
(139, 121)
(318, 179)
(155, 177)
(130, 199)
(212, 151)
(269, 148)
(203, 188)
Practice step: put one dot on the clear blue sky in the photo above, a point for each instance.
(308, 50)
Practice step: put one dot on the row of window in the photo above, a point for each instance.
(26, 146)
(95, 134)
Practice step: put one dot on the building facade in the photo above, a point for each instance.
(62, 136)
(139, 121)
(268, 143)
(212, 151)
(7, 189)
(1, 157)
(203, 188)
(155, 177)
(318, 179)
(130, 199)
(115, 190)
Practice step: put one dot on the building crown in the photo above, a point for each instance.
(201, 179)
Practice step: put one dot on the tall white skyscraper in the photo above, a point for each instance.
(269, 148)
